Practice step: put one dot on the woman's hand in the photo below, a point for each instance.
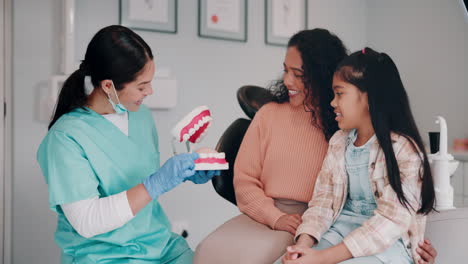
(306, 255)
(174, 171)
(335, 254)
(171, 174)
(304, 241)
(427, 252)
(288, 223)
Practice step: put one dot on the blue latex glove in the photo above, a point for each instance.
(171, 174)
(201, 177)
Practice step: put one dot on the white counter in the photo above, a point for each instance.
(460, 155)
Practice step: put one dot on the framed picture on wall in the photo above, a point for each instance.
(284, 18)
(151, 15)
(223, 19)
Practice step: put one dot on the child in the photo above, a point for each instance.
(375, 186)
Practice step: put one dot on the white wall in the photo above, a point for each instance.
(347, 19)
(35, 58)
(428, 41)
(208, 72)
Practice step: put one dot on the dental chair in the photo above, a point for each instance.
(447, 230)
(250, 99)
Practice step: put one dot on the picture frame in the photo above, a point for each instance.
(149, 15)
(284, 18)
(223, 19)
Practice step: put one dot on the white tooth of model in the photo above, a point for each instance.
(443, 166)
(191, 131)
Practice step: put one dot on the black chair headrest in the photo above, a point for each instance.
(251, 98)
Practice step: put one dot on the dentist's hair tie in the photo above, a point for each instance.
(364, 51)
(84, 67)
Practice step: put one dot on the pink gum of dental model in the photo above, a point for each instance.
(193, 126)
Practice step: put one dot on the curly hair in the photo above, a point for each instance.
(321, 51)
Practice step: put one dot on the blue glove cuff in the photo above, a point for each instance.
(152, 190)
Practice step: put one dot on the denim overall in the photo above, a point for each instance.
(360, 205)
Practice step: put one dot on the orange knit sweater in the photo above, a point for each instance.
(280, 157)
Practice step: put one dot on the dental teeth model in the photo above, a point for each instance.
(192, 129)
(193, 126)
(211, 161)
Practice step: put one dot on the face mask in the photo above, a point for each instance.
(118, 108)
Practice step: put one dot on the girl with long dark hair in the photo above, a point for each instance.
(375, 188)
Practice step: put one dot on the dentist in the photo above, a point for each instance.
(100, 159)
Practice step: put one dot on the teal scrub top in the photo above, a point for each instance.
(83, 156)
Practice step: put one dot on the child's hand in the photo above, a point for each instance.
(292, 255)
(288, 223)
(306, 255)
(305, 241)
(427, 252)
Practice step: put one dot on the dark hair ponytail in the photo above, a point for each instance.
(321, 51)
(376, 74)
(115, 53)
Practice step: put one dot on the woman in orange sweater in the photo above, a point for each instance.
(280, 156)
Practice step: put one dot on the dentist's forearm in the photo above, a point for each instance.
(138, 197)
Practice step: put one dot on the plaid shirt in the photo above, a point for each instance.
(391, 219)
